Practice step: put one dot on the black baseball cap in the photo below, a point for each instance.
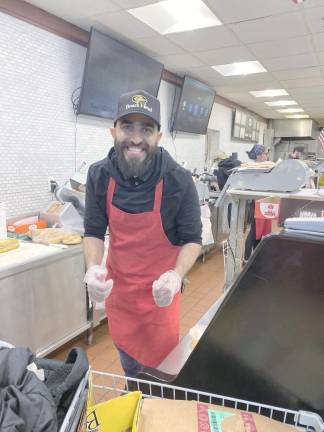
(139, 102)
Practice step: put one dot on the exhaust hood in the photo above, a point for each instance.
(305, 129)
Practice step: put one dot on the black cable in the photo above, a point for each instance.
(75, 141)
(75, 97)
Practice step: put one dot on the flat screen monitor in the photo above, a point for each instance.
(111, 69)
(194, 107)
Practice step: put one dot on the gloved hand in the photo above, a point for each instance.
(165, 288)
(98, 287)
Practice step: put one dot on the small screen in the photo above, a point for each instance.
(112, 69)
(195, 105)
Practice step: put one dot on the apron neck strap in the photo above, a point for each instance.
(157, 194)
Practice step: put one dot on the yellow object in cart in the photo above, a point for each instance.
(9, 244)
(115, 415)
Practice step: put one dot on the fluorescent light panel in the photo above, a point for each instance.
(173, 16)
(269, 93)
(290, 110)
(297, 116)
(240, 68)
(281, 103)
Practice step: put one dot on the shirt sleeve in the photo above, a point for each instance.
(95, 218)
(188, 220)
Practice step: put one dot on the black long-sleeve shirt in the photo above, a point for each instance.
(180, 211)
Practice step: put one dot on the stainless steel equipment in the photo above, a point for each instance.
(64, 215)
(286, 176)
(305, 129)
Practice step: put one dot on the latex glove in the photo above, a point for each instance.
(98, 287)
(165, 288)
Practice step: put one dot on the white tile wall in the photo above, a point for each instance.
(38, 73)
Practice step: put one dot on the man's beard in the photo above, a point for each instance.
(133, 167)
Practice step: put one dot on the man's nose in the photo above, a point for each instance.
(136, 137)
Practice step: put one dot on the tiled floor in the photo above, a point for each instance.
(205, 285)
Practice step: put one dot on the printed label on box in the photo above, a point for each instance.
(269, 210)
(216, 418)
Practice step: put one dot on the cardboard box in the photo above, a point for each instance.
(162, 415)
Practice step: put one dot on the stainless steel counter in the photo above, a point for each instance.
(42, 296)
(174, 362)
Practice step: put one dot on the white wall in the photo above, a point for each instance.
(39, 134)
(38, 73)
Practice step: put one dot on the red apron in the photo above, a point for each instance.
(139, 252)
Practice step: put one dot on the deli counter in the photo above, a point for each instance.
(43, 302)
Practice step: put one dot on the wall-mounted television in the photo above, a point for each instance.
(245, 127)
(193, 108)
(112, 68)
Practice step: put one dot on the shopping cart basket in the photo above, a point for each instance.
(107, 386)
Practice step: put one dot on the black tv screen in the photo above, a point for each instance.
(111, 69)
(194, 107)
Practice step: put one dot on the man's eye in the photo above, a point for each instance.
(148, 130)
(126, 127)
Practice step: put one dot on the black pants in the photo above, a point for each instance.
(251, 242)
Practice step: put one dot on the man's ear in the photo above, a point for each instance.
(159, 136)
(113, 132)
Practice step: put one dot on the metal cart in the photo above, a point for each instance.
(107, 386)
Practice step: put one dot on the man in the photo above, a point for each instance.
(297, 153)
(151, 207)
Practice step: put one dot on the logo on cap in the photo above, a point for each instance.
(139, 102)
(139, 99)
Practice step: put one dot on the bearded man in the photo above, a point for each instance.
(150, 205)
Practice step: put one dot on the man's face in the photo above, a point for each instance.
(136, 139)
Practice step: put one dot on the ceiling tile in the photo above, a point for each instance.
(314, 18)
(158, 46)
(207, 72)
(179, 61)
(75, 9)
(313, 3)
(320, 57)
(125, 24)
(231, 11)
(129, 4)
(307, 93)
(225, 55)
(282, 47)
(302, 82)
(318, 39)
(251, 80)
(291, 62)
(271, 28)
(239, 97)
(313, 72)
(248, 86)
(205, 39)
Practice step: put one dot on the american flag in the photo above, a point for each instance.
(321, 139)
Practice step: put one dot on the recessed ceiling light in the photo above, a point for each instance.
(240, 68)
(297, 116)
(290, 110)
(173, 16)
(281, 103)
(269, 93)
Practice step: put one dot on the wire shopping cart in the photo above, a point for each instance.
(108, 386)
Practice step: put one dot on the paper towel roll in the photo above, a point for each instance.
(3, 221)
